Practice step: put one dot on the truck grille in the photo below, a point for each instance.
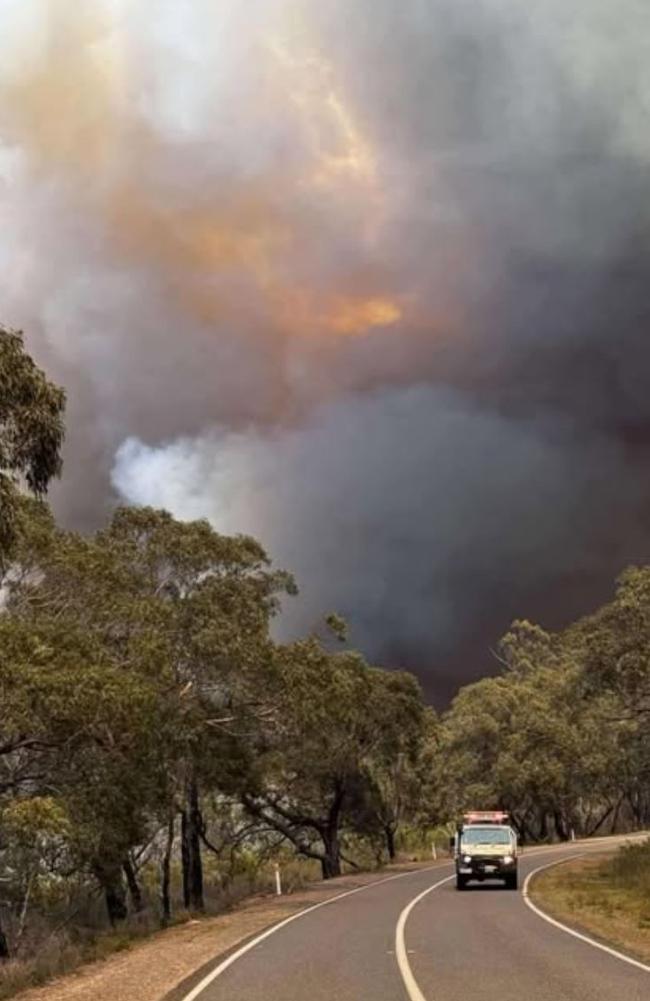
(480, 863)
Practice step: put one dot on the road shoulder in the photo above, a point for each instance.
(582, 895)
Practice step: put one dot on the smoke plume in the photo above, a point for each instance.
(366, 280)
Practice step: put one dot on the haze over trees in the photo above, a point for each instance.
(156, 742)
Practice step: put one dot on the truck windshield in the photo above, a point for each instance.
(486, 836)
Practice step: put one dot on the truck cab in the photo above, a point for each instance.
(485, 847)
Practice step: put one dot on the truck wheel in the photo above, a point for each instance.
(461, 882)
(511, 882)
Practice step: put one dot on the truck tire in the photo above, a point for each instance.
(511, 882)
(461, 882)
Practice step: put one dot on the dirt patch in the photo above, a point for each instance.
(583, 895)
(155, 968)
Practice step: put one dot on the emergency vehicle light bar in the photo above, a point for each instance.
(486, 817)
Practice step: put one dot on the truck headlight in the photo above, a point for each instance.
(508, 859)
(467, 859)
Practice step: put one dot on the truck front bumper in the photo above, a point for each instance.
(487, 868)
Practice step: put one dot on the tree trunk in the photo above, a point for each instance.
(599, 823)
(191, 850)
(134, 887)
(166, 874)
(617, 811)
(116, 903)
(4, 946)
(109, 877)
(389, 834)
(560, 826)
(543, 826)
(637, 810)
(331, 860)
(22, 922)
(185, 859)
(521, 827)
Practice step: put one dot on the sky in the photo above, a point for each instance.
(364, 278)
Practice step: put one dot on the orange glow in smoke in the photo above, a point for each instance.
(72, 113)
(351, 316)
(339, 150)
(303, 312)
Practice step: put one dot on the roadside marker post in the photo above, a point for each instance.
(434, 852)
(278, 880)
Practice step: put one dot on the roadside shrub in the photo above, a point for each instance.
(629, 869)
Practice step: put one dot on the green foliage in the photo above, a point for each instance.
(337, 626)
(630, 869)
(31, 432)
(140, 684)
(336, 730)
(559, 738)
(616, 643)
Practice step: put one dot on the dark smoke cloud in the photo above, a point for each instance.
(368, 280)
(384, 502)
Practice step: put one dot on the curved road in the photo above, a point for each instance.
(381, 944)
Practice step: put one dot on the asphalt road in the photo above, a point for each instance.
(484, 944)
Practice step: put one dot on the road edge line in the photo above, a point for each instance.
(401, 955)
(238, 953)
(234, 956)
(572, 931)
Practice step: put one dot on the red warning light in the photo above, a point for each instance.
(486, 817)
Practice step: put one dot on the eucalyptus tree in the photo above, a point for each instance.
(31, 431)
(615, 642)
(529, 742)
(186, 611)
(334, 719)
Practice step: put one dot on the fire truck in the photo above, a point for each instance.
(485, 847)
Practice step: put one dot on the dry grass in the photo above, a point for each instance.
(608, 897)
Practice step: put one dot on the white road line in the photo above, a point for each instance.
(571, 931)
(411, 984)
(218, 970)
(401, 952)
(223, 966)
